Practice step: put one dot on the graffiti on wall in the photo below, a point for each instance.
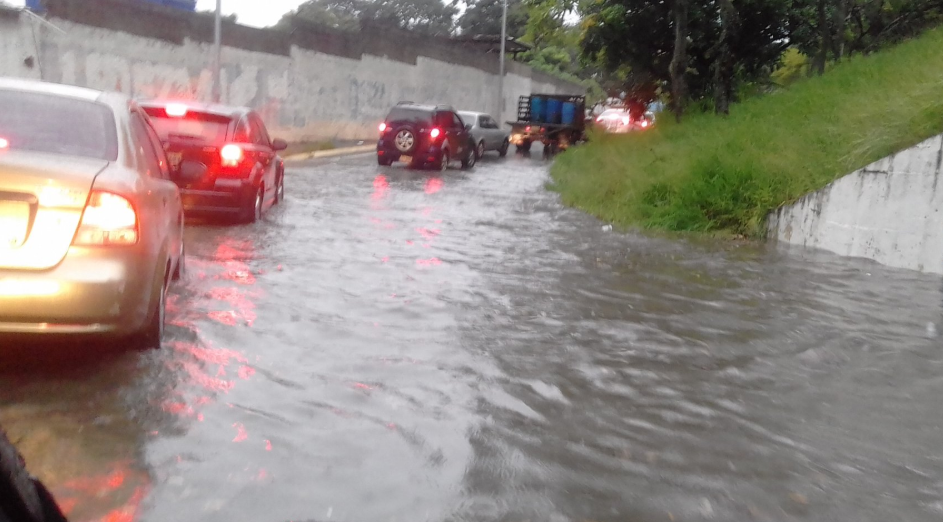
(240, 84)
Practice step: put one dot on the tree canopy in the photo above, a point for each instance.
(709, 49)
(483, 17)
(430, 17)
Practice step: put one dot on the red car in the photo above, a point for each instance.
(244, 175)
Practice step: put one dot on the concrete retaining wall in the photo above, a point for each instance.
(307, 82)
(889, 211)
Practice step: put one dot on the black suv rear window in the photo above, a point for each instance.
(409, 114)
(194, 125)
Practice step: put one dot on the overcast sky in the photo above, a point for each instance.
(257, 13)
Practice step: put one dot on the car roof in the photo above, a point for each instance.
(426, 107)
(473, 113)
(57, 89)
(215, 109)
(117, 101)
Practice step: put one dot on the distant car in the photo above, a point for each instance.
(91, 225)
(244, 174)
(647, 121)
(615, 121)
(487, 134)
(425, 135)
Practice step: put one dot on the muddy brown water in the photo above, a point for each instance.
(396, 345)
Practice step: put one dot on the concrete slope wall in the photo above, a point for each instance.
(889, 211)
(307, 82)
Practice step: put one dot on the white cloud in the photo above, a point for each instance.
(255, 13)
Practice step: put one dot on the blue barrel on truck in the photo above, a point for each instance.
(186, 5)
(537, 109)
(554, 110)
(569, 113)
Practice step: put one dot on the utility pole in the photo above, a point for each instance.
(217, 52)
(504, 39)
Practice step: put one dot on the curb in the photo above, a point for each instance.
(346, 151)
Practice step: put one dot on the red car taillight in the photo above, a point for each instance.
(382, 128)
(231, 155)
(434, 133)
(108, 219)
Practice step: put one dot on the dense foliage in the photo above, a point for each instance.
(718, 46)
(712, 174)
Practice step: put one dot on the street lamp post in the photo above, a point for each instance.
(504, 38)
(217, 52)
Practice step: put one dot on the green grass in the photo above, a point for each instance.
(712, 174)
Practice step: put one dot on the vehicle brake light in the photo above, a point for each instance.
(383, 127)
(434, 133)
(177, 110)
(625, 120)
(527, 128)
(4, 143)
(231, 155)
(644, 123)
(109, 219)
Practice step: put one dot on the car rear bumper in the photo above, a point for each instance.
(226, 197)
(92, 291)
(423, 154)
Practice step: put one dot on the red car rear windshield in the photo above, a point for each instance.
(211, 128)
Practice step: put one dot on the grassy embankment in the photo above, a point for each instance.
(710, 174)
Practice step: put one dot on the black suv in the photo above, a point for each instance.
(425, 135)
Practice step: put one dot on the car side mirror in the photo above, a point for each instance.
(190, 170)
(279, 144)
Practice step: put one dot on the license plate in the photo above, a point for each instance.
(14, 217)
(406, 159)
(174, 158)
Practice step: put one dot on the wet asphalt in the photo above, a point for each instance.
(393, 345)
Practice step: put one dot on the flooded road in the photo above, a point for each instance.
(394, 345)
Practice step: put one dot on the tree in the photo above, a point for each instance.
(429, 17)
(691, 45)
(679, 59)
(484, 17)
(338, 14)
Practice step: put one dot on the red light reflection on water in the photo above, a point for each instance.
(245, 372)
(210, 355)
(433, 185)
(381, 187)
(428, 233)
(241, 434)
(435, 261)
(93, 489)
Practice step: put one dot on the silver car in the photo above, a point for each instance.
(91, 224)
(488, 135)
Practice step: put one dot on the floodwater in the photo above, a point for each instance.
(394, 345)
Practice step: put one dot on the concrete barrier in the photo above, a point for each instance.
(889, 211)
(308, 83)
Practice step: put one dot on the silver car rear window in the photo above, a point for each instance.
(58, 125)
